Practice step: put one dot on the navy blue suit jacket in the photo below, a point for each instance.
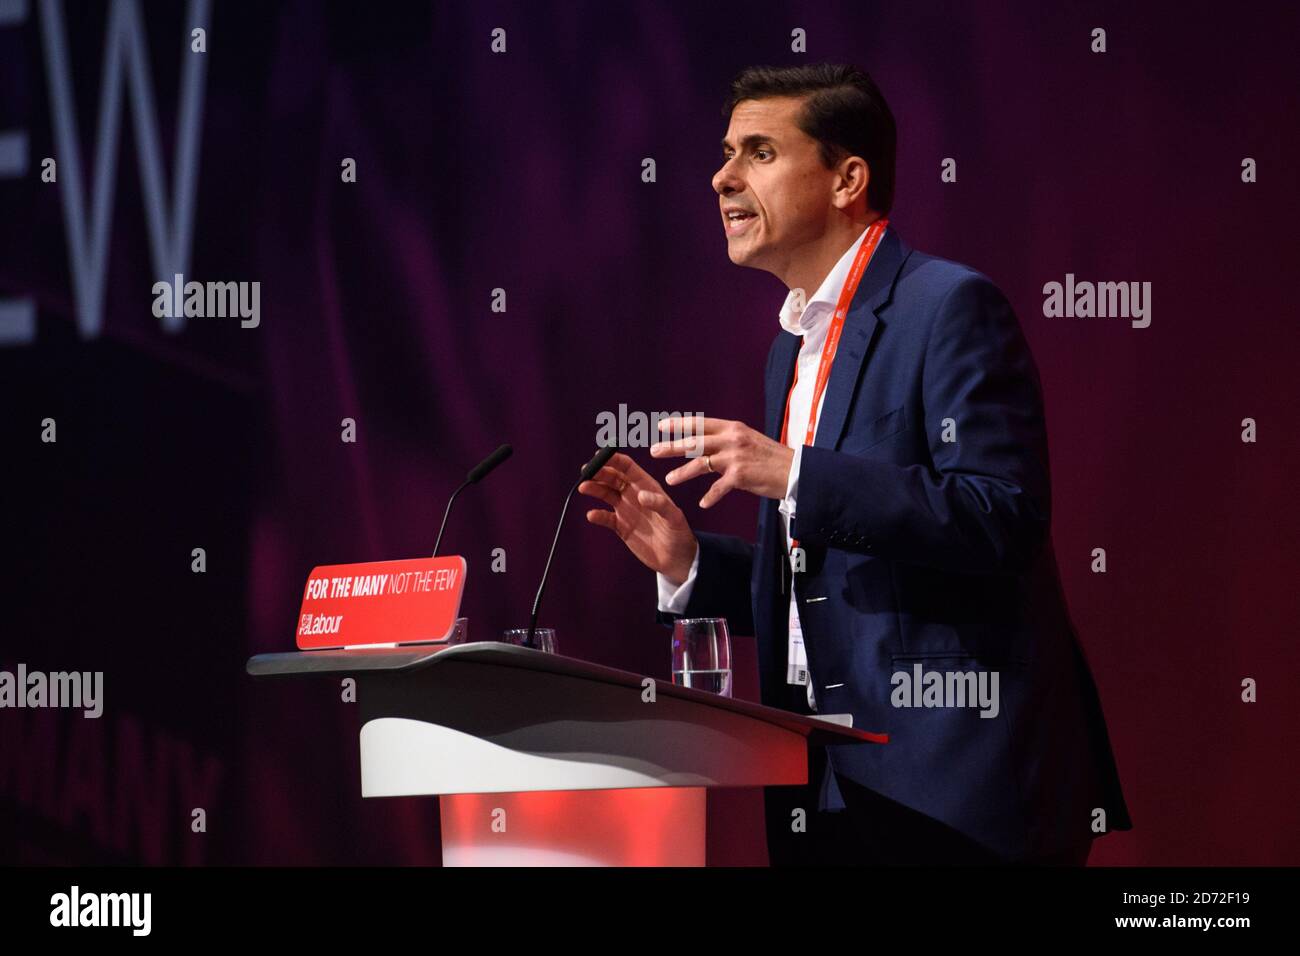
(925, 550)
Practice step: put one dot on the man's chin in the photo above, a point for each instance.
(741, 254)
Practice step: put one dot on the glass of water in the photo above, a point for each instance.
(543, 638)
(702, 654)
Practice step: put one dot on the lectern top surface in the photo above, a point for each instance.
(412, 658)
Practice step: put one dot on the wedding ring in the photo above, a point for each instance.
(708, 465)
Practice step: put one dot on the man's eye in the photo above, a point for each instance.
(760, 152)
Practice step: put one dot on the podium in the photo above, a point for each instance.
(545, 760)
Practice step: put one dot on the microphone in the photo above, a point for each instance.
(476, 474)
(589, 471)
(598, 461)
(480, 471)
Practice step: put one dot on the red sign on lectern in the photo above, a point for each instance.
(381, 602)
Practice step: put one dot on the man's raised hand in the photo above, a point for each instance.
(741, 457)
(653, 528)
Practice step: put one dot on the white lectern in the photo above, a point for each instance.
(546, 760)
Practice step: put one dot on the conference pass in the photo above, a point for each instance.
(381, 602)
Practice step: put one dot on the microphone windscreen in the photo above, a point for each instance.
(480, 471)
(598, 462)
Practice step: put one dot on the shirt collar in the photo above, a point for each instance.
(822, 302)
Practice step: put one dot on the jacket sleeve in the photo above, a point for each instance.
(982, 504)
(721, 583)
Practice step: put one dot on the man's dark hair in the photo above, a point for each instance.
(845, 112)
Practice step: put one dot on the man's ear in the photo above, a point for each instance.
(853, 177)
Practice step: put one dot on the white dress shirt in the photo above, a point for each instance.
(812, 325)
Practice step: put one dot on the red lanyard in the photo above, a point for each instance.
(874, 233)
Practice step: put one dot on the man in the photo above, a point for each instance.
(903, 530)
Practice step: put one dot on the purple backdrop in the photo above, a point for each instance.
(522, 171)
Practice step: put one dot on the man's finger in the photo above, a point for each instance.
(704, 465)
(717, 491)
(634, 472)
(621, 487)
(607, 479)
(656, 501)
(606, 519)
(625, 467)
(612, 478)
(691, 425)
(600, 490)
(618, 462)
(693, 446)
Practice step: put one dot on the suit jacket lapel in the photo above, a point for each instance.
(779, 376)
(874, 292)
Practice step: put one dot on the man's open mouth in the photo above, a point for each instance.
(738, 220)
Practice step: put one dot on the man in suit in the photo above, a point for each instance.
(903, 547)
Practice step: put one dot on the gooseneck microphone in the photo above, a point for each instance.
(589, 471)
(476, 474)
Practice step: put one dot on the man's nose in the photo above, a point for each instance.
(726, 180)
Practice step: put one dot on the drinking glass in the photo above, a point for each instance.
(543, 638)
(702, 654)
